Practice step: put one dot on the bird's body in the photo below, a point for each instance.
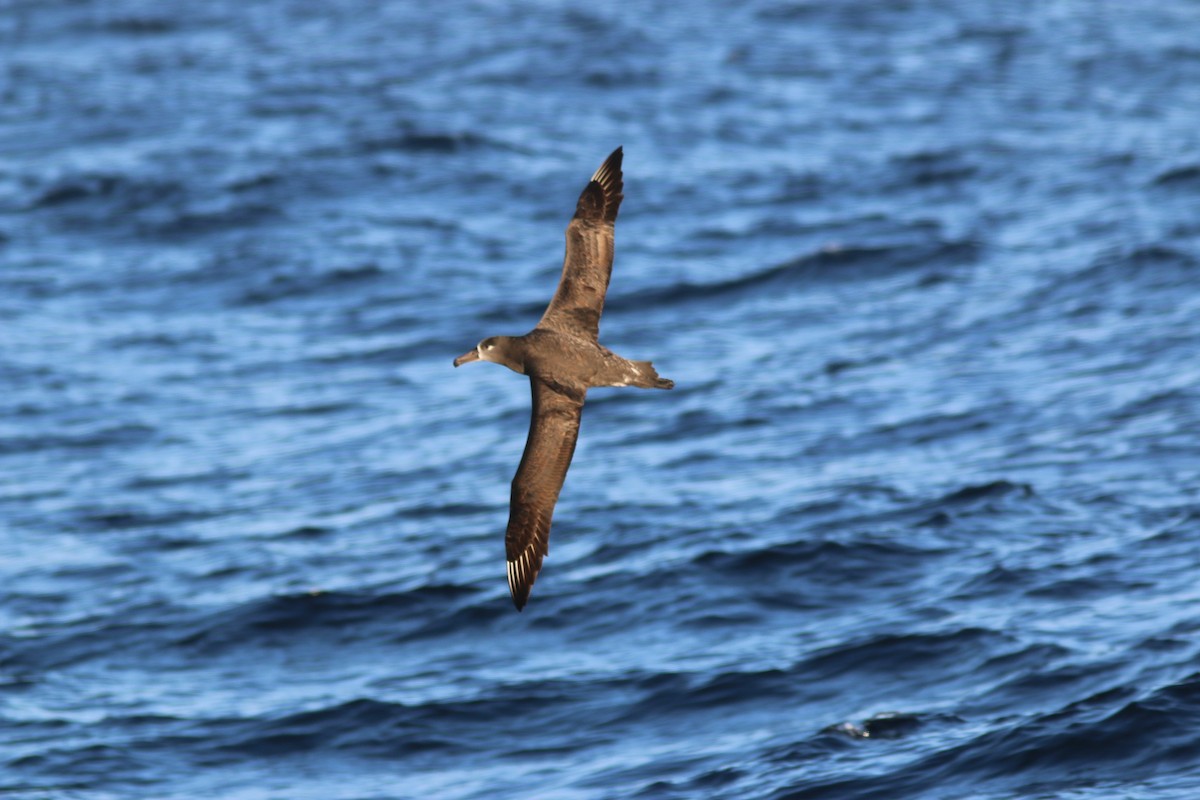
(569, 362)
(563, 358)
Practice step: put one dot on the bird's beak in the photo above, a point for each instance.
(467, 357)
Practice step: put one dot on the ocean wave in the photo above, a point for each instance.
(840, 263)
(919, 520)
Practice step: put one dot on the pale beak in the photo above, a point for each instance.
(467, 357)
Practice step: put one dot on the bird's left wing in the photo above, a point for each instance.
(553, 430)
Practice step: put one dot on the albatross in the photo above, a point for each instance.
(563, 358)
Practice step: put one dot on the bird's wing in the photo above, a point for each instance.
(579, 300)
(553, 430)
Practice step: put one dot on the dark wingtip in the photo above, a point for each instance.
(664, 383)
(614, 160)
(520, 594)
(522, 572)
(602, 197)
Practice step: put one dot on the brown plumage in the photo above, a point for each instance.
(563, 358)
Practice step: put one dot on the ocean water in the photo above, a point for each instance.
(920, 520)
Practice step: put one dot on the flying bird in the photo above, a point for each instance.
(563, 358)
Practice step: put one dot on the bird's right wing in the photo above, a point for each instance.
(587, 266)
(553, 430)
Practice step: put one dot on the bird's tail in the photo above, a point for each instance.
(648, 377)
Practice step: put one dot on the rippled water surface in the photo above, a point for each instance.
(921, 519)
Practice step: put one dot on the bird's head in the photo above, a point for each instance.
(487, 350)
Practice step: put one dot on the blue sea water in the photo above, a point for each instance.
(920, 520)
